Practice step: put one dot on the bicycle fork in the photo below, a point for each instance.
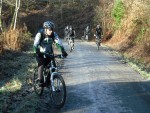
(52, 81)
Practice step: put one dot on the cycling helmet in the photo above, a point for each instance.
(49, 25)
(98, 25)
(70, 28)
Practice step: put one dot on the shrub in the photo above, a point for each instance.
(118, 12)
(11, 39)
(1, 44)
(16, 39)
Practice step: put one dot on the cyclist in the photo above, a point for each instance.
(43, 42)
(87, 32)
(71, 33)
(98, 32)
(66, 31)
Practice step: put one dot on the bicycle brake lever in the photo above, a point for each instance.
(61, 56)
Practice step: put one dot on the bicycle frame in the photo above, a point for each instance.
(85, 37)
(71, 43)
(53, 81)
(98, 41)
(52, 70)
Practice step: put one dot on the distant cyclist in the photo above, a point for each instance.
(66, 32)
(43, 42)
(98, 32)
(72, 33)
(98, 35)
(87, 32)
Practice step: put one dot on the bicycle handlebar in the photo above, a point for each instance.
(52, 55)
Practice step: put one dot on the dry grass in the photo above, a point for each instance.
(132, 38)
(12, 39)
(15, 39)
(103, 15)
(1, 44)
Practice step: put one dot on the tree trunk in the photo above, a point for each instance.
(1, 28)
(61, 10)
(16, 13)
(27, 6)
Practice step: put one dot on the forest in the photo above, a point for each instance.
(125, 24)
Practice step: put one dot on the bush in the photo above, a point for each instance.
(118, 12)
(15, 39)
(11, 39)
(1, 44)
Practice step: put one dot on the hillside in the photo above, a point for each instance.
(131, 38)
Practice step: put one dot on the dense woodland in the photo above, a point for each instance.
(125, 24)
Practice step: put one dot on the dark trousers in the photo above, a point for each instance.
(41, 63)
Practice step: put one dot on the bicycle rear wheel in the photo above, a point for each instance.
(58, 96)
(82, 38)
(98, 44)
(38, 90)
(71, 46)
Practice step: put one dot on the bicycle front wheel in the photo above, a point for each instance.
(58, 94)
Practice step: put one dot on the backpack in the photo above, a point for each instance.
(71, 33)
(98, 30)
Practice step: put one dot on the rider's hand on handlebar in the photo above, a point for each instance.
(39, 53)
(64, 54)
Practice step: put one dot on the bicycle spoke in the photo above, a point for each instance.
(59, 94)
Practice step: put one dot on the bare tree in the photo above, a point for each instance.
(27, 5)
(16, 12)
(61, 9)
(1, 28)
(14, 19)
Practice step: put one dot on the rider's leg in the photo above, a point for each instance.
(85, 36)
(40, 73)
(73, 42)
(47, 61)
(40, 61)
(73, 39)
(68, 40)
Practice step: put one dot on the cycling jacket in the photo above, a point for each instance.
(44, 43)
(99, 31)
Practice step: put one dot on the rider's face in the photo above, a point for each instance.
(48, 31)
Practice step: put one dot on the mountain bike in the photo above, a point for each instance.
(70, 43)
(98, 41)
(66, 37)
(85, 37)
(53, 81)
